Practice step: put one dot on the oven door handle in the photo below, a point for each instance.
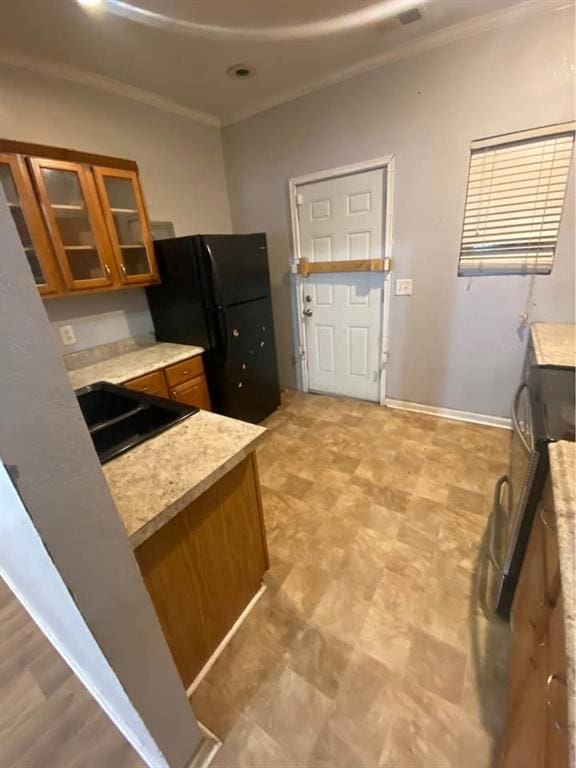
(490, 551)
(493, 523)
(515, 423)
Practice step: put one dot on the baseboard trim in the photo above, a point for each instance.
(449, 413)
(207, 750)
(226, 639)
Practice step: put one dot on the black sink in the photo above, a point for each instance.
(119, 419)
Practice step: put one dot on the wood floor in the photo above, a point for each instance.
(369, 648)
(47, 718)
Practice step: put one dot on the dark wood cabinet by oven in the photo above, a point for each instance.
(536, 731)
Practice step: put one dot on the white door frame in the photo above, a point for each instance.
(301, 352)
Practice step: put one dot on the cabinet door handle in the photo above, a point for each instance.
(108, 272)
(546, 523)
(123, 268)
(558, 724)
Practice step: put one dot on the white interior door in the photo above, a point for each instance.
(342, 219)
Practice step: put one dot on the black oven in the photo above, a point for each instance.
(542, 412)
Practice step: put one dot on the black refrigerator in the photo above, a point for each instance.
(215, 293)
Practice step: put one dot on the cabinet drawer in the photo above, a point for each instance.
(152, 383)
(194, 392)
(184, 371)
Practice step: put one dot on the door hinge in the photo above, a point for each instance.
(299, 199)
(302, 352)
(385, 358)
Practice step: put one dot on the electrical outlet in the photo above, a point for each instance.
(67, 335)
(404, 287)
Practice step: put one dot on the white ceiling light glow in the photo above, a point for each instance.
(347, 22)
(90, 3)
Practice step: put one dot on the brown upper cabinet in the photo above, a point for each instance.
(74, 217)
(17, 187)
(81, 218)
(128, 225)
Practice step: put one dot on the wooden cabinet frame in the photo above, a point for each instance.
(95, 217)
(35, 223)
(100, 175)
(26, 162)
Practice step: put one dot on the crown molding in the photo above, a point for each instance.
(453, 33)
(65, 72)
(441, 37)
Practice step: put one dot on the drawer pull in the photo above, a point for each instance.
(558, 724)
(145, 389)
(545, 522)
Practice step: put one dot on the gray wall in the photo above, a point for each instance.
(44, 439)
(181, 166)
(456, 342)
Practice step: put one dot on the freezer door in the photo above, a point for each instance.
(237, 267)
(245, 383)
(177, 306)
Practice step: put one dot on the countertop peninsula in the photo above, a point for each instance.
(159, 478)
(563, 476)
(129, 365)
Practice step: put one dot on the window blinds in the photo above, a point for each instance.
(516, 189)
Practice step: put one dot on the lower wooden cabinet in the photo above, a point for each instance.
(536, 729)
(152, 383)
(203, 567)
(193, 392)
(557, 747)
(184, 382)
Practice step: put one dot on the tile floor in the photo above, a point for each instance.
(368, 648)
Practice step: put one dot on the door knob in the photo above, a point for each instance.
(308, 312)
(308, 298)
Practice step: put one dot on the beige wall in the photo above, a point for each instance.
(180, 162)
(457, 342)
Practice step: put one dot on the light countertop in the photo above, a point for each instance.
(159, 478)
(563, 475)
(554, 344)
(129, 365)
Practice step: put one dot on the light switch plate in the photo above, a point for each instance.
(404, 287)
(67, 335)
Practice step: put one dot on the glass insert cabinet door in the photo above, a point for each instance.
(27, 217)
(128, 224)
(74, 216)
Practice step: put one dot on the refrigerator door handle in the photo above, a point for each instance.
(215, 283)
(223, 328)
(217, 310)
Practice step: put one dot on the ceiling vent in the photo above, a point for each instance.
(409, 17)
(402, 19)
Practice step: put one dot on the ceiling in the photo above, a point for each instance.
(181, 55)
